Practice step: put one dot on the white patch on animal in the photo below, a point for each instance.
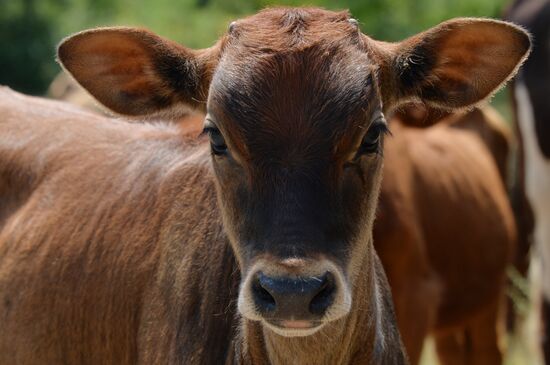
(537, 182)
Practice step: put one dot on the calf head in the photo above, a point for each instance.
(295, 102)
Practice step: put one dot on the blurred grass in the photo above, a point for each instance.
(502, 102)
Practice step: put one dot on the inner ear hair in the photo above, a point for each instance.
(456, 64)
(134, 72)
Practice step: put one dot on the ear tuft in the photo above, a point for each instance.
(458, 63)
(414, 66)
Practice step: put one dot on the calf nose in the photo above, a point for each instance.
(298, 298)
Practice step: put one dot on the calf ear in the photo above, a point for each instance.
(453, 65)
(137, 73)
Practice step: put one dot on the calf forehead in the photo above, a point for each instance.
(293, 80)
(274, 30)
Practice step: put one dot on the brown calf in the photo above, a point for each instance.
(411, 254)
(112, 245)
(416, 245)
(427, 290)
(445, 233)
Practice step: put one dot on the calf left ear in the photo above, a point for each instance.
(137, 73)
(453, 65)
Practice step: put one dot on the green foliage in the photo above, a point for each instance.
(25, 40)
(30, 29)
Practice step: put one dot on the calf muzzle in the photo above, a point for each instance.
(293, 298)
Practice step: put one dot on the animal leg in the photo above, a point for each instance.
(416, 316)
(484, 337)
(476, 344)
(451, 347)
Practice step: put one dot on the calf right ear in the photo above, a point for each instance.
(137, 73)
(453, 65)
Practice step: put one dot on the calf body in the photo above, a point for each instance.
(445, 233)
(95, 269)
(86, 255)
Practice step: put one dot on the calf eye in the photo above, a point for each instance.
(217, 142)
(371, 140)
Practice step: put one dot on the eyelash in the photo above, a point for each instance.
(207, 131)
(378, 126)
(381, 129)
(219, 148)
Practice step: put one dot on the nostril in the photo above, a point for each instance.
(287, 297)
(262, 298)
(325, 295)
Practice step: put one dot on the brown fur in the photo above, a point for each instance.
(418, 291)
(445, 233)
(134, 236)
(428, 293)
(142, 268)
(418, 115)
(101, 238)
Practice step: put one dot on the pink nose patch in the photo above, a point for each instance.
(296, 324)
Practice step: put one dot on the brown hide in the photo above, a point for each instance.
(112, 249)
(444, 229)
(425, 252)
(438, 282)
(113, 229)
(445, 232)
(94, 240)
(419, 115)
